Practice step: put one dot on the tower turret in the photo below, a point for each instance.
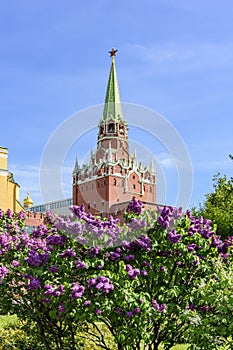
(107, 183)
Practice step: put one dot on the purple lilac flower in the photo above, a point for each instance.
(91, 282)
(162, 308)
(49, 290)
(143, 242)
(99, 312)
(178, 263)
(136, 224)
(100, 266)
(144, 273)
(192, 230)
(34, 283)
(146, 263)
(53, 269)
(46, 300)
(61, 308)
(135, 206)
(87, 302)
(137, 310)
(101, 283)
(192, 307)
(129, 314)
(61, 288)
(223, 248)
(133, 273)
(158, 307)
(164, 220)
(128, 267)
(3, 273)
(191, 247)
(68, 252)
(56, 239)
(15, 263)
(9, 214)
(204, 308)
(40, 231)
(94, 251)
(163, 268)
(129, 257)
(36, 259)
(155, 305)
(1, 214)
(5, 241)
(216, 241)
(173, 237)
(77, 291)
(21, 215)
(115, 256)
(80, 264)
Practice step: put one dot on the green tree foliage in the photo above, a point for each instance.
(218, 205)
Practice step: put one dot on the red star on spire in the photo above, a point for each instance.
(113, 52)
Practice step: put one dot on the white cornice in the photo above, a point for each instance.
(3, 172)
(3, 155)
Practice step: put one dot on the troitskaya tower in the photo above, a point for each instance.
(112, 177)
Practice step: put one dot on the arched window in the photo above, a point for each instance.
(111, 127)
(114, 182)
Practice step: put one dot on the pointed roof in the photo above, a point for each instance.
(76, 166)
(152, 168)
(112, 108)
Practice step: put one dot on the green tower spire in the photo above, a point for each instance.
(112, 108)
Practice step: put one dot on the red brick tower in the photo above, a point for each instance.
(113, 176)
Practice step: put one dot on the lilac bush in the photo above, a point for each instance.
(147, 281)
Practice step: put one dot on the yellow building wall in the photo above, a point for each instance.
(9, 190)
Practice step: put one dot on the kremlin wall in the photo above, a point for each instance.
(107, 183)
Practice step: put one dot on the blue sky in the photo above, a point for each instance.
(175, 57)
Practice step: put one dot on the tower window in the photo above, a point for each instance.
(133, 177)
(104, 182)
(88, 206)
(134, 186)
(114, 182)
(94, 205)
(111, 127)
